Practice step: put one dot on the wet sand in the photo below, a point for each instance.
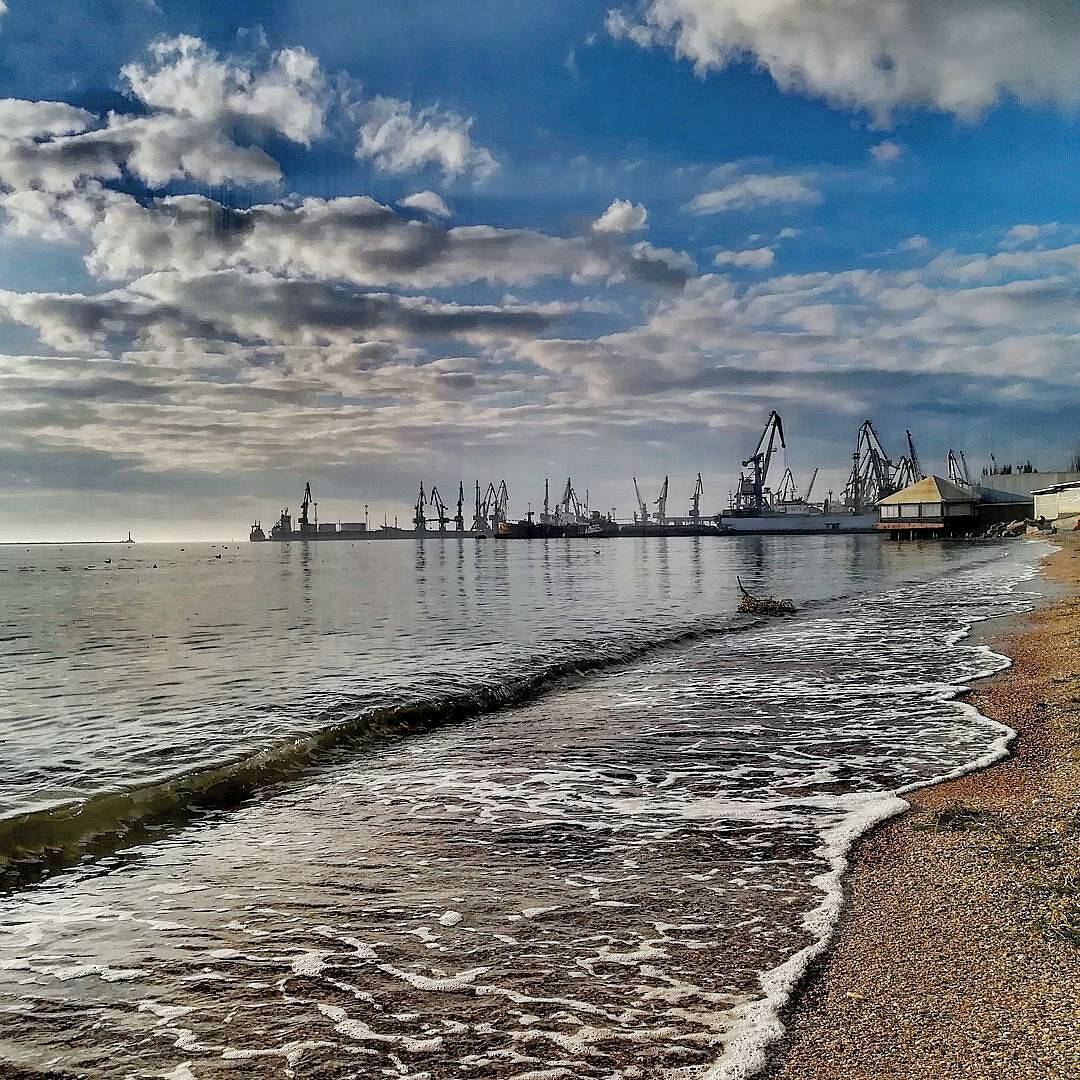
(959, 953)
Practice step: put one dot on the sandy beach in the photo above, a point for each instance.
(959, 951)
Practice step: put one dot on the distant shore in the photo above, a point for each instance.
(958, 955)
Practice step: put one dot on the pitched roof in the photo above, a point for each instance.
(928, 490)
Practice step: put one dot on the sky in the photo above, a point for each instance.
(363, 244)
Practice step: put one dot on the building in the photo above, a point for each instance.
(1058, 502)
(932, 506)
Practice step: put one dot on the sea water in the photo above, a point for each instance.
(459, 808)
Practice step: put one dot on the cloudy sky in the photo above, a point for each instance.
(244, 245)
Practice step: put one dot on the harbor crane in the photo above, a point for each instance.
(492, 511)
(909, 468)
(479, 525)
(661, 503)
(306, 526)
(872, 474)
(913, 458)
(439, 507)
(419, 517)
(459, 518)
(570, 509)
(810, 486)
(787, 491)
(695, 499)
(752, 490)
(958, 470)
(643, 514)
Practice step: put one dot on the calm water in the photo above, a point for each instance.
(616, 874)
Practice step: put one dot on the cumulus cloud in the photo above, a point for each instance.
(959, 56)
(31, 119)
(752, 258)
(401, 139)
(885, 152)
(188, 78)
(428, 202)
(622, 216)
(918, 242)
(755, 189)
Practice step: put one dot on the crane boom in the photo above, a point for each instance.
(643, 508)
(913, 457)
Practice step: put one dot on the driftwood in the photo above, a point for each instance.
(763, 605)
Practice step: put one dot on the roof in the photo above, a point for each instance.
(928, 490)
(1057, 487)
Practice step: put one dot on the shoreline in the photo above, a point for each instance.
(958, 950)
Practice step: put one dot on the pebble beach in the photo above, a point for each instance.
(959, 952)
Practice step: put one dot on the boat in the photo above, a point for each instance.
(257, 534)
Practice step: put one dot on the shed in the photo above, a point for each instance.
(1058, 501)
(931, 504)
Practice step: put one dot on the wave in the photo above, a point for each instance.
(759, 1027)
(37, 843)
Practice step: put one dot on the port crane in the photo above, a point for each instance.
(958, 470)
(643, 514)
(570, 509)
(419, 517)
(491, 513)
(439, 507)
(479, 523)
(810, 486)
(459, 518)
(909, 468)
(695, 499)
(872, 474)
(752, 491)
(787, 491)
(661, 503)
(306, 525)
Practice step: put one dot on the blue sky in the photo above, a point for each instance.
(634, 231)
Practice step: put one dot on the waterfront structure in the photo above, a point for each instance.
(932, 505)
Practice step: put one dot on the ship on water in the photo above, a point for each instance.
(754, 506)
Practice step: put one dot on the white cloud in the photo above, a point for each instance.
(30, 119)
(289, 94)
(427, 202)
(787, 233)
(918, 242)
(745, 192)
(959, 56)
(885, 152)
(1022, 235)
(401, 139)
(622, 216)
(752, 258)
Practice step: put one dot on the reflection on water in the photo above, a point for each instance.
(589, 884)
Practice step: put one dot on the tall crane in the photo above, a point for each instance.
(695, 499)
(419, 517)
(810, 486)
(958, 472)
(459, 518)
(643, 507)
(787, 491)
(913, 457)
(661, 503)
(754, 485)
(478, 523)
(439, 507)
(872, 474)
(570, 506)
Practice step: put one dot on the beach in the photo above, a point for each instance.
(959, 951)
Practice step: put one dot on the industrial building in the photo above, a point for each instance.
(1059, 503)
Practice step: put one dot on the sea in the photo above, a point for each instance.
(457, 808)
